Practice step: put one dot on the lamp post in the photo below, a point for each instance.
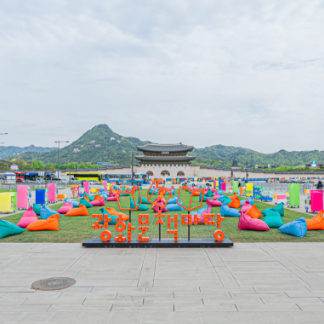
(58, 157)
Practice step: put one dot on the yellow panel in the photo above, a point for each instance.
(5, 202)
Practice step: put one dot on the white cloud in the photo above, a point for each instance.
(202, 72)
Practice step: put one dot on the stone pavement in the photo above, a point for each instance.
(249, 283)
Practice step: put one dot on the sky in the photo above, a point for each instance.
(241, 73)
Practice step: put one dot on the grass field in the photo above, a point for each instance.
(78, 229)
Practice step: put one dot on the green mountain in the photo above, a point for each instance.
(6, 151)
(101, 144)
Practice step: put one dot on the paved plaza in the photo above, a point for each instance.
(249, 283)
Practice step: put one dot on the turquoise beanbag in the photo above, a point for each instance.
(85, 202)
(279, 208)
(114, 218)
(141, 206)
(37, 209)
(226, 200)
(227, 211)
(273, 218)
(221, 198)
(173, 207)
(144, 201)
(47, 212)
(73, 202)
(297, 228)
(7, 229)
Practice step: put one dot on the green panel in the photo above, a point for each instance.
(235, 187)
(14, 200)
(294, 194)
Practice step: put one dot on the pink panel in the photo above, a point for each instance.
(104, 183)
(22, 196)
(223, 186)
(316, 200)
(281, 197)
(86, 187)
(51, 192)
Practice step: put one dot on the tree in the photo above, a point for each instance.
(88, 165)
(40, 165)
(81, 165)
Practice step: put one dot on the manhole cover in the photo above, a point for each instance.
(53, 284)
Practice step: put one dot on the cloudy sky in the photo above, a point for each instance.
(242, 73)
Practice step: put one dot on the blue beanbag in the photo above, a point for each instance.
(251, 201)
(7, 229)
(242, 202)
(227, 211)
(173, 200)
(74, 203)
(297, 228)
(201, 210)
(221, 198)
(173, 207)
(226, 200)
(220, 192)
(141, 206)
(47, 212)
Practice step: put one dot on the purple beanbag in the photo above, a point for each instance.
(248, 223)
(245, 207)
(213, 203)
(100, 202)
(65, 208)
(27, 218)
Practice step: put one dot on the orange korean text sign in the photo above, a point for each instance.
(143, 226)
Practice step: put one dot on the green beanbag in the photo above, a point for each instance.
(273, 218)
(85, 203)
(7, 229)
(279, 208)
(37, 209)
(141, 206)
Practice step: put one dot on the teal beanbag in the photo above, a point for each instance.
(209, 194)
(7, 229)
(273, 218)
(90, 197)
(226, 200)
(85, 202)
(114, 218)
(144, 201)
(37, 209)
(141, 206)
(204, 199)
(297, 228)
(279, 208)
(221, 198)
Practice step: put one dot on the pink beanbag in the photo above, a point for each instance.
(100, 202)
(111, 199)
(27, 218)
(202, 216)
(156, 209)
(246, 207)
(248, 223)
(213, 190)
(216, 196)
(214, 203)
(111, 193)
(65, 208)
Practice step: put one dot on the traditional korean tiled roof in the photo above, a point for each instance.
(165, 148)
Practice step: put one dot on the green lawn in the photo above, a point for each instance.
(78, 229)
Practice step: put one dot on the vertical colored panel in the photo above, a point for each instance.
(223, 186)
(104, 183)
(294, 194)
(22, 196)
(235, 187)
(86, 187)
(51, 192)
(316, 200)
(40, 196)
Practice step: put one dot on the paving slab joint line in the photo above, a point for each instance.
(213, 268)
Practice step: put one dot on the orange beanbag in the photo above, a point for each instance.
(81, 211)
(316, 223)
(86, 198)
(236, 203)
(114, 212)
(97, 197)
(49, 224)
(254, 212)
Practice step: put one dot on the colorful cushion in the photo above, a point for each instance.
(315, 223)
(144, 201)
(112, 198)
(97, 197)
(209, 193)
(297, 228)
(88, 196)
(254, 212)
(46, 212)
(114, 218)
(100, 202)
(173, 200)
(80, 211)
(201, 213)
(49, 224)
(141, 206)
(213, 203)
(85, 202)
(114, 212)
(216, 196)
(27, 218)
(7, 229)
(273, 218)
(227, 211)
(248, 223)
(221, 199)
(235, 203)
(245, 207)
(227, 200)
(173, 207)
(73, 202)
(65, 208)
(279, 208)
(37, 209)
